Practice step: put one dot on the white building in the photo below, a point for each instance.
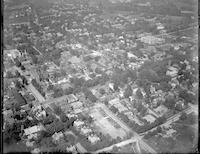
(151, 39)
(149, 118)
(93, 139)
(78, 123)
(85, 130)
(57, 136)
(32, 130)
(172, 71)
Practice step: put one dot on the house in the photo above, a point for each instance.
(130, 55)
(29, 144)
(77, 105)
(78, 123)
(111, 86)
(85, 130)
(13, 53)
(71, 148)
(149, 118)
(76, 111)
(33, 130)
(93, 139)
(57, 136)
(113, 101)
(151, 39)
(7, 113)
(40, 115)
(36, 150)
(180, 105)
(172, 71)
(161, 110)
(120, 107)
(72, 98)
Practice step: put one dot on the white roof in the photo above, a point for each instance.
(77, 104)
(32, 130)
(78, 123)
(86, 130)
(114, 101)
(130, 55)
(93, 139)
(57, 136)
(120, 107)
(150, 118)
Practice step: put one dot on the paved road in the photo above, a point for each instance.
(30, 87)
(123, 143)
(171, 119)
(37, 50)
(35, 92)
(173, 32)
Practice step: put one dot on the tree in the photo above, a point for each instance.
(49, 119)
(70, 138)
(114, 109)
(57, 109)
(102, 91)
(63, 117)
(188, 97)
(159, 129)
(17, 74)
(165, 86)
(24, 80)
(18, 84)
(139, 94)
(128, 92)
(183, 116)
(115, 149)
(169, 103)
(90, 119)
(68, 91)
(22, 67)
(17, 62)
(58, 92)
(149, 74)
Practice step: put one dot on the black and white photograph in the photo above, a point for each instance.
(100, 76)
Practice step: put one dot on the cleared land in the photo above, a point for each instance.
(106, 124)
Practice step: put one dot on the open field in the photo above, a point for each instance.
(106, 124)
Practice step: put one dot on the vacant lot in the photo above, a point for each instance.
(106, 125)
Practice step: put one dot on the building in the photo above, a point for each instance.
(71, 149)
(72, 98)
(33, 130)
(172, 71)
(13, 53)
(151, 40)
(57, 136)
(149, 118)
(78, 123)
(111, 86)
(77, 105)
(86, 131)
(113, 101)
(93, 139)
